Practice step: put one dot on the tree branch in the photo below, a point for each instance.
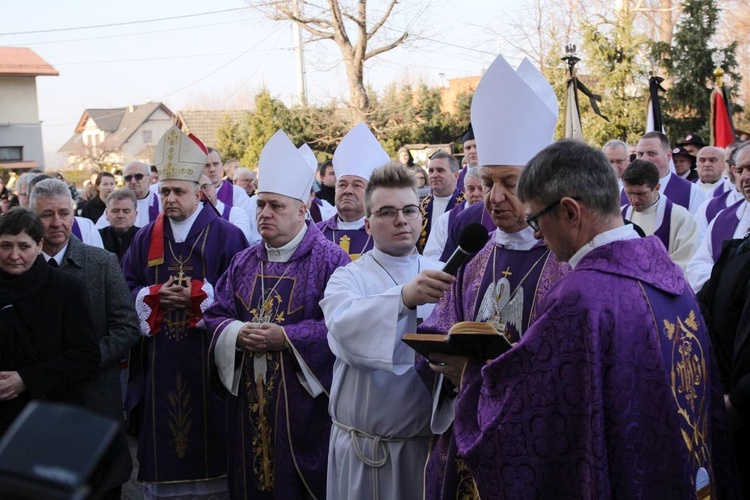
(386, 48)
(383, 19)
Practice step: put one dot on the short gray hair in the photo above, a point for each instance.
(615, 143)
(122, 194)
(49, 188)
(452, 161)
(23, 182)
(573, 169)
(244, 170)
(473, 173)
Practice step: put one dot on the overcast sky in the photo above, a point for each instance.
(219, 60)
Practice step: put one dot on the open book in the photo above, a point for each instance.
(467, 338)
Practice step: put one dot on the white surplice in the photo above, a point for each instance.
(683, 230)
(376, 394)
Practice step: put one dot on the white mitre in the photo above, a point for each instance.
(283, 170)
(513, 114)
(359, 153)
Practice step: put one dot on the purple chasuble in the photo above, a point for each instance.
(716, 205)
(226, 193)
(678, 190)
(426, 206)
(475, 213)
(76, 230)
(278, 432)
(724, 226)
(446, 476)
(611, 393)
(354, 242)
(182, 436)
(662, 232)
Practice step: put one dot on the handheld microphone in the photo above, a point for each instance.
(471, 240)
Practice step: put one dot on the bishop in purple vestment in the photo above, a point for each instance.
(612, 392)
(269, 352)
(171, 268)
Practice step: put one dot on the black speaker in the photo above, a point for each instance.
(53, 451)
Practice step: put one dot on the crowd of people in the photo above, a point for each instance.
(245, 325)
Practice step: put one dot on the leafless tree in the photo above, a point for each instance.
(361, 29)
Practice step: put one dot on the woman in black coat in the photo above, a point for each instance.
(47, 346)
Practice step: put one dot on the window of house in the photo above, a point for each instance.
(146, 136)
(11, 153)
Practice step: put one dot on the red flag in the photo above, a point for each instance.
(722, 134)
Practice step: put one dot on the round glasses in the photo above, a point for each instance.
(389, 214)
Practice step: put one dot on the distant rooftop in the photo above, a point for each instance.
(21, 61)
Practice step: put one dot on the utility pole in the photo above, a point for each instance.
(301, 80)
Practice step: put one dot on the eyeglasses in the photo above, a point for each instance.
(389, 214)
(533, 220)
(138, 177)
(206, 187)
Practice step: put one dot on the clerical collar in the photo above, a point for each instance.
(221, 185)
(284, 252)
(653, 206)
(625, 232)
(520, 240)
(181, 229)
(357, 224)
(58, 256)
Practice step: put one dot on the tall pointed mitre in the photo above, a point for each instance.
(178, 156)
(283, 170)
(513, 114)
(309, 157)
(359, 153)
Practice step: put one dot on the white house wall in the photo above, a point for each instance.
(158, 124)
(19, 117)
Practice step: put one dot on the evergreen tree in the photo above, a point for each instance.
(231, 138)
(688, 61)
(269, 116)
(614, 67)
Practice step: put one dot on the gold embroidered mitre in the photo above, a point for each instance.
(179, 156)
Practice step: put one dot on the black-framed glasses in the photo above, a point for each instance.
(533, 220)
(138, 177)
(206, 187)
(389, 214)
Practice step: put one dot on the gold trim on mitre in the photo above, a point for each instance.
(178, 157)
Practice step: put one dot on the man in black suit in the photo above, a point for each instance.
(121, 214)
(115, 320)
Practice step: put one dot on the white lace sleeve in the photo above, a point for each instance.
(143, 311)
(208, 289)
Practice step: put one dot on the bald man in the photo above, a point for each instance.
(711, 163)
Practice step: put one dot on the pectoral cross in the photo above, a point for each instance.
(507, 273)
(345, 243)
(180, 278)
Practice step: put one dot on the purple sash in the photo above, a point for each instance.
(315, 214)
(77, 230)
(225, 214)
(678, 190)
(716, 205)
(666, 223)
(720, 189)
(724, 226)
(153, 208)
(662, 232)
(226, 193)
(460, 181)
(623, 199)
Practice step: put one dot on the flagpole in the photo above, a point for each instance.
(573, 128)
